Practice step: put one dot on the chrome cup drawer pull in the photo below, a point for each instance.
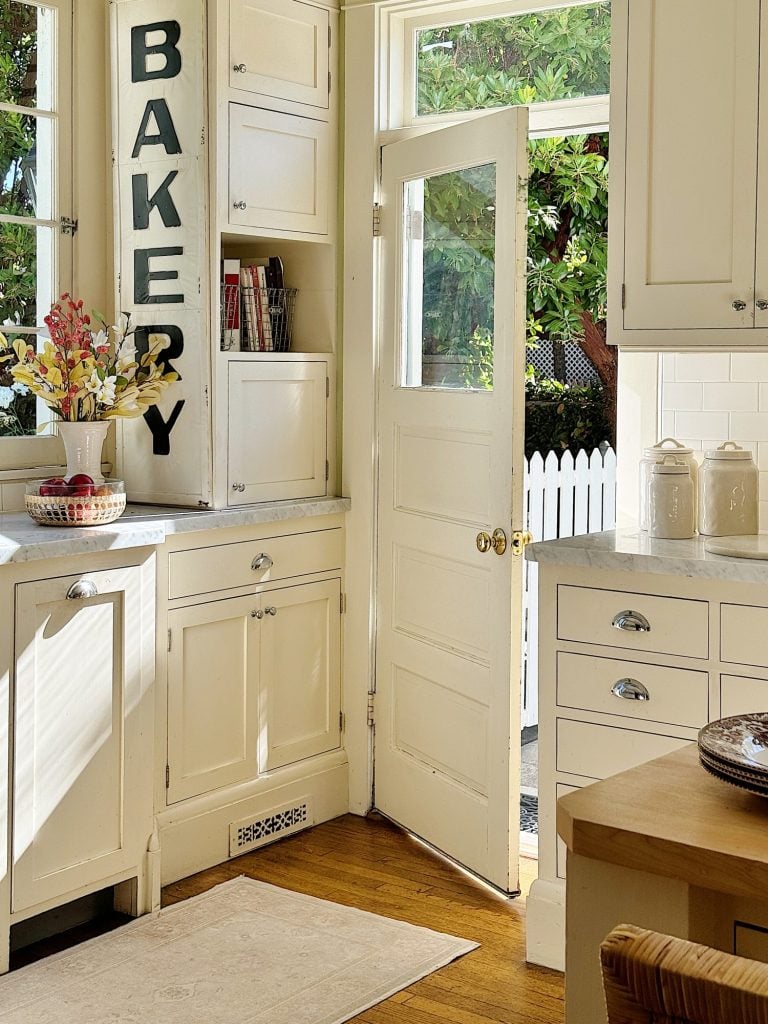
(630, 689)
(82, 590)
(262, 561)
(631, 622)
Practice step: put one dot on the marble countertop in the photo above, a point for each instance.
(21, 540)
(632, 550)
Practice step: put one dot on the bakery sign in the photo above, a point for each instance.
(160, 177)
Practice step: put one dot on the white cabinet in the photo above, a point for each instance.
(688, 173)
(278, 445)
(279, 49)
(83, 725)
(253, 684)
(279, 171)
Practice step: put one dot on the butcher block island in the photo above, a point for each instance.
(641, 643)
(172, 683)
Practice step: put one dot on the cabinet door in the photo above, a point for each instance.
(691, 105)
(300, 684)
(279, 171)
(213, 667)
(277, 431)
(280, 49)
(83, 731)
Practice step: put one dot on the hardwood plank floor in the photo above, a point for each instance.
(371, 864)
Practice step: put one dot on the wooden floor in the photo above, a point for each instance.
(371, 864)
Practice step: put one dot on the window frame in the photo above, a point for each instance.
(34, 452)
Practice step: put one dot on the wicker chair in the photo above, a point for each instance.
(655, 979)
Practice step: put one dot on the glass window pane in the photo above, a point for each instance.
(450, 242)
(18, 408)
(26, 274)
(556, 54)
(26, 54)
(26, 159)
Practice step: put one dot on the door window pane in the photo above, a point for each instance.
(26, 54)
(449, 270)
(26, 145)
(27, 258)
(557, 54)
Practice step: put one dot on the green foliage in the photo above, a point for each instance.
(524, 58)
(564, 417)
(18, 276)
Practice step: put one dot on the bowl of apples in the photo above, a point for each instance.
(74, 501)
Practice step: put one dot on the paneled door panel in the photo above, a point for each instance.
(213, 668)
(448, 622)
(300, 693)
(691, 164)
(82, 724)
(280, 48)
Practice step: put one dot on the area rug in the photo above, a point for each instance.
(242, 953)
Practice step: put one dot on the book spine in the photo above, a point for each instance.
(230, 272)
(256, 291)
(266, 323)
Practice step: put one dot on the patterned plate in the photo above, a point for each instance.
(739, 742)
(756, 780)
(735, 779)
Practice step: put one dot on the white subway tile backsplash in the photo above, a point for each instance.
(763, 515)
(702, 424)
(763, 486)
(750, 424)
(698, 367)
(686, 396)
(749, 366)
(764, 398)
(667, 424)
(727, 397)
(668, 365)
(762, 455)
(12, 497)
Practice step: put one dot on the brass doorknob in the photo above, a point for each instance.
(499, 541)
(520, 541)
(484, 542)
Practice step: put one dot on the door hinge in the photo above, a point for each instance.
(327, 470)
(377, 220)
(68, 226)
(341, 721)
(169, 640)
(371, 719)
(623, 296)
(342, 603)
(167, 776)
(327, 387)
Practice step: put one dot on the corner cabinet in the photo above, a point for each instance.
(688, 219)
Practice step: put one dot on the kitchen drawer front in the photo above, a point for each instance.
(673, 625)
(742, 696)
(597, 751)
(226, 566)
(677, 696)
(744, 634)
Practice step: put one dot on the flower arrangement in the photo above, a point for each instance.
(85, 374)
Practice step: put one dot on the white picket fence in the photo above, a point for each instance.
(564, 497)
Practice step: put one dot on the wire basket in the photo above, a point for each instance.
(66, 507)
(256, 319)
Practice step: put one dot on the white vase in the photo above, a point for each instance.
(83, 443)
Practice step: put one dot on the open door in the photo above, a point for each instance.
(447, 743)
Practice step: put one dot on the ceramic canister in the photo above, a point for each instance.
(728, 485)
(651, 456)
(671, 509)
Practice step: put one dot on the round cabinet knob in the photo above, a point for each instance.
(257, 613)
(238, 487)
(239, 68)
(271, 610)
(762, 303)
(739, 305)
(240, 204)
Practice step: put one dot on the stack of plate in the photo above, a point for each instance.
(735, 750)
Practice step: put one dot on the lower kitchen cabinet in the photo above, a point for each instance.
(83, 724)
(253, 685)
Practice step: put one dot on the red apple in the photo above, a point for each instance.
(81, 484)
(53, 485)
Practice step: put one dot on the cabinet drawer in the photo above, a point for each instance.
(742, 696)
(678, 696)
(743, 633)
(225, 566)
(597, 751)
(669, 625)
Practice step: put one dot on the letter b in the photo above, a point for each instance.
(141, 49)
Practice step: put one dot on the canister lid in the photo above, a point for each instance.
(670, 464)
(729, 450)
(667, 444)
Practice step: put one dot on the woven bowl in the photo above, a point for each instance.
(68, 508)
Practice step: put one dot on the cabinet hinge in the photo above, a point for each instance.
(342, 603)
(327, 387)
(371, 719)
(167, 776)
(376, 220)
(68, 226)
(341, 721)
(169, 640)
(623, 296)
(327, 470)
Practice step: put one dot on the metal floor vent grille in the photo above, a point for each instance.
(250, 833)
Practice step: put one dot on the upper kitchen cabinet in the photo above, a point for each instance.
(688, 226)
(279, 50)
